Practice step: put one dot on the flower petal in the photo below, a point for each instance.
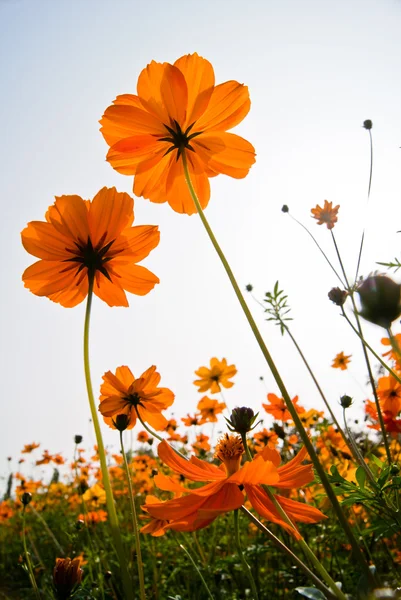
(110, 213)
(134, 279)
(199, 75)
(194, 472)
(225, 153)
(174, 94)
(177, 192)
(110, 292)
(54, 279)
(228, 106)
(69, 215)
(125, 155)
(123, 120)
(149, 90)
(136, 243)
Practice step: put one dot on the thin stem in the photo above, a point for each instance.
(48, 531)
(357, 453)
(134, 523)
(297, 561)
(294, 415)
(157, 436)
(28, 559)
(318, 245)
(240, 553)
(209, 593)
(111, 509)
(369, 186)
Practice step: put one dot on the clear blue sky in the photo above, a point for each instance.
(315, 71)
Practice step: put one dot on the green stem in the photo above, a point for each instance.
(357, 453)
(48, 531)
(158, 437)
(111, 509)
(294, 415)
(28, 559)
(134, 523)
(369, 186)
(195, 566)
(245, 565)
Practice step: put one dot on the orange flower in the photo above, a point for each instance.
(218, 375)
(391, 353)
(190, 421)
(209, 409)
(82, 239)
(224, 492)
(178, 109)
(278, 407)
(143, 437)
(265, 438)
(340, 361)
(202, 444)
(327, 214)
(66, 575)
(123, 394)
(29, 448)
(389, 393)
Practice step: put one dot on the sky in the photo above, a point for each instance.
(315, 70)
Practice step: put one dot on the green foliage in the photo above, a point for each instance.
(278, 308)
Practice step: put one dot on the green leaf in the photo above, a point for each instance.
(361, 477)
(310, 592)
(377, 461)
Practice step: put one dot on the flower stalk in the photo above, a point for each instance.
(134, 523)
(113, 520)
(27, 557)
(243, 560)
(294, 415)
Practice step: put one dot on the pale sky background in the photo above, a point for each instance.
(315, 70)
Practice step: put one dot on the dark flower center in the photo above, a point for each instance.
(133, 399)
(179, 139)
(92, 258)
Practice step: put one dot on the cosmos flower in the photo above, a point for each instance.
(278, 408)
(66, 575)
(341, 361)
(218, 375)
(389, 393)
(228, 485)
(209, 409)
(123, 394)
(83, 240)
(178, 108)
(327, 214)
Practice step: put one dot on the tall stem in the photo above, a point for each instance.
(294, 415)
(28, 559)
(195, 566)
(134, 523)
(111, 509)
(240, 553)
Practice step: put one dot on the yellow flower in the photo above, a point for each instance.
(218, 375)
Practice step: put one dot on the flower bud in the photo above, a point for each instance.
(367, 124)
(380, 300)
(26, 498)
(78, 439)
(66, 575)
(241, 420)
(249, 287)
(345, 401)
(338, 296)
(121, 422)
(79, 524)
(285, 209)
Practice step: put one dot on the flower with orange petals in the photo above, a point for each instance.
(228, 485)
(83, 240)
(123, 394)
(201, 445)
(29, 448)
(218, 375)
(191, 421)
(389, 393)
(392, 354)
(266, 437)
(327, 214)
(67, 574)
(209, 410)
(278, 408)
(143, 437)
(341, 361)
(178, 109)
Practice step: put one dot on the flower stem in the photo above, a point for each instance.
(28, 559)
(134, 523)
(158, 437)
(245, 565)
(195, 566)
(294, 415)
(111, 509)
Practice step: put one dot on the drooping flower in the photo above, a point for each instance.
(123, 394)
(218, 375)
(228, 485)
(278, 408)
(178, 109)
(341, 361)
(84, 239)
(209, 410)
(327, 214)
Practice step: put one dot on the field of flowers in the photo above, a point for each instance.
(213, 504)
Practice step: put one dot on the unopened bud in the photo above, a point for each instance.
(338, 296)
(367, 124)
(242, 420)
(78, 439)
(380, 300)
(121, 422)
(345, 401)
(26, 498)
(285, 209)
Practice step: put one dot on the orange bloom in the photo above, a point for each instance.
(178, 109)
(202, 444)
(143, 437)
(66, 575)
(190, 421)
(218, 375)
(327, 214)
(204, 504)
(82, 239)
(391, 353)
(123, 394)
(209, 409)
(389, 393)
(278, 407)
(341, 361)
(29, 448)
(266, 437)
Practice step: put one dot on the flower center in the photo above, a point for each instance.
(92, 258)
(179, 139)
(230, 450)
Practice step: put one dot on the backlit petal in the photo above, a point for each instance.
(225, 153)
(199, 75)
(122, 121)
(109, 214)
(194, 472)
(174, 94)
(229, 104)
(149, 90)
